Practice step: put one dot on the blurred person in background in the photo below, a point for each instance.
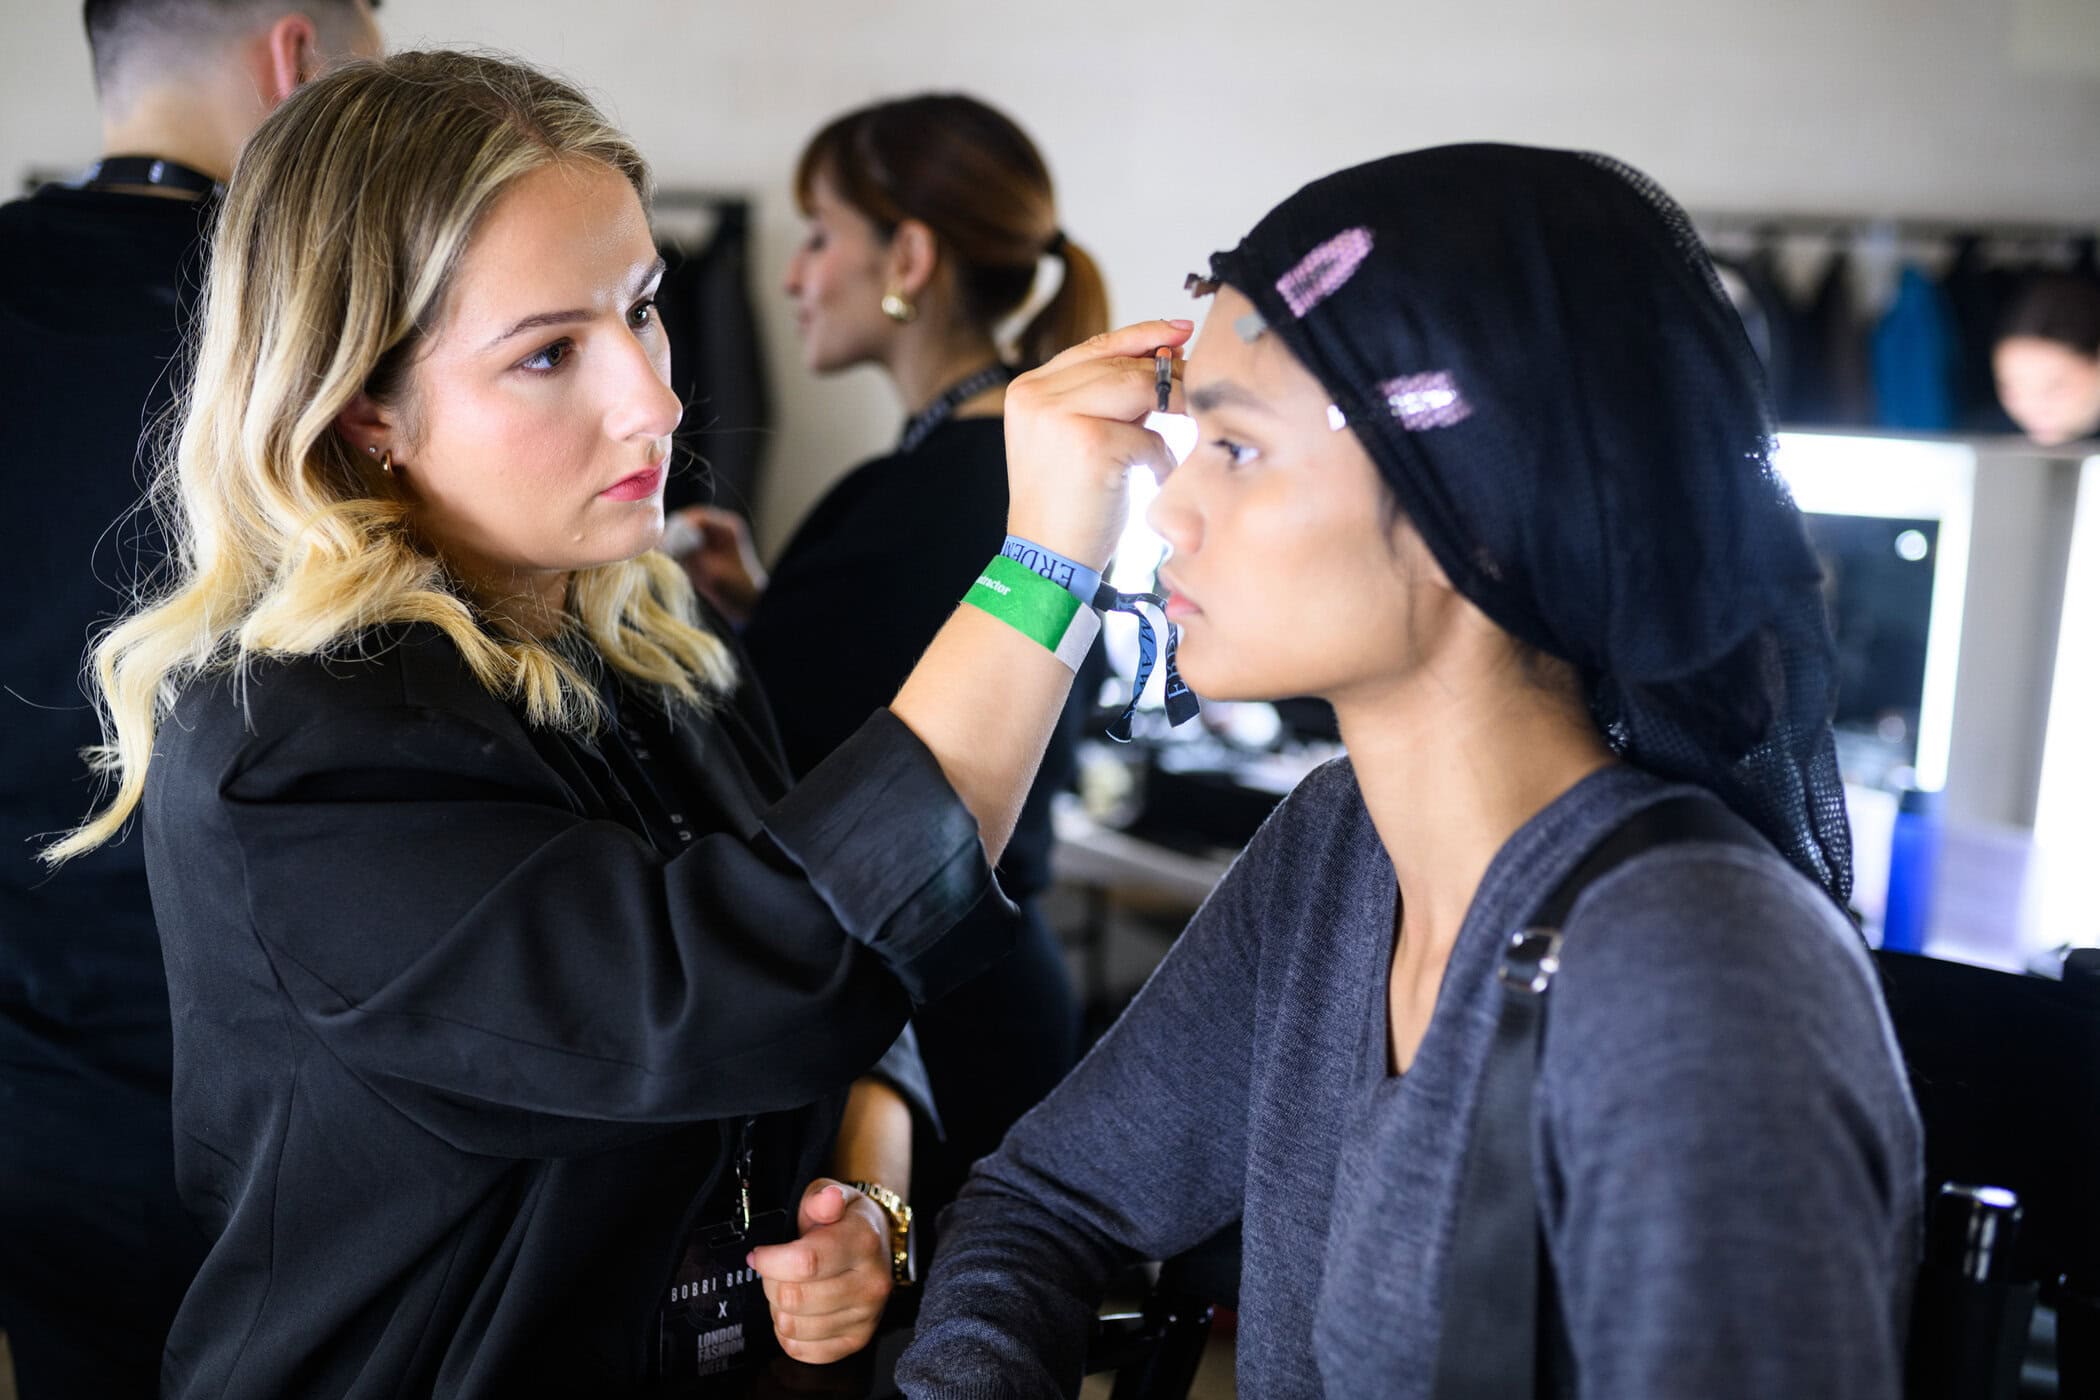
(930, 218)
(2047, 359)
(96, 279)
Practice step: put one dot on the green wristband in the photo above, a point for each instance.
(1036, 608)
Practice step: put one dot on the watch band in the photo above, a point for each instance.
(903, 1265)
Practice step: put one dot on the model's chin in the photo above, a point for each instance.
(1217, 669)
(1198, 665)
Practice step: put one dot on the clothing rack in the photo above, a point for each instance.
(1883, 320)
(718, 366)
(687, 216)
(1744, 222)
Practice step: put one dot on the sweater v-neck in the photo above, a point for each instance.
(1512, 878)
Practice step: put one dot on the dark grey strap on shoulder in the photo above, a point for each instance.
(1498, 1298)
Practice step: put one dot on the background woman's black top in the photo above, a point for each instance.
(863, 586)
(858, 595)
(466, 1012)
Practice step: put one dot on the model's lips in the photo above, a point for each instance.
(641, 485)
(1179, 604)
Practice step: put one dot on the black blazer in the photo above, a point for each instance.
(461, 1007)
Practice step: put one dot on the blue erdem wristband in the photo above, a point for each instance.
(1087, 586)
(1072, 576)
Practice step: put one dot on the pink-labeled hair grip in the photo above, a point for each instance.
(1321, 273)
(1422, 401)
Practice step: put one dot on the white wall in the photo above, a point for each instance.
(2019, 550)
(1171, 127)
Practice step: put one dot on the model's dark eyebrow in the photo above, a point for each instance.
(569, 318)
(1223, 393)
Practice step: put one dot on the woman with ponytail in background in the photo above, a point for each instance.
(929, 220)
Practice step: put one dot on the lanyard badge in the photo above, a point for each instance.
(715, 1317)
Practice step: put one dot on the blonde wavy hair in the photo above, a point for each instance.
(342, 229)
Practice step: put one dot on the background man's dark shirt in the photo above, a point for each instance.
(94, 289)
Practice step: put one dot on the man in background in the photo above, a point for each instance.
(97, 282)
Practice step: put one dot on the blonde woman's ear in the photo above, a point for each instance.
(365, 426)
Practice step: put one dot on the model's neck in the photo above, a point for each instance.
(1450, 772)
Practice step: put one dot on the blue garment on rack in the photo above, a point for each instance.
(1916, 355)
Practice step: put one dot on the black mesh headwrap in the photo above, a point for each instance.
(1533, 348)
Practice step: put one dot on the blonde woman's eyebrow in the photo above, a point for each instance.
(541, 320)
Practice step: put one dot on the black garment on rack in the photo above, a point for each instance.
(95, 1251)
(1979, 293)
(717, 366)
(1768, 318)
(1832, 380)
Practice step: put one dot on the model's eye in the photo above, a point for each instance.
(1238, 454)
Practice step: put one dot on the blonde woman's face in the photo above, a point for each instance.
(542, 408)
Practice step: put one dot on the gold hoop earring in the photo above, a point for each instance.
(898, 309)
(386, 463)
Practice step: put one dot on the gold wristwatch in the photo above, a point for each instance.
(904, 1239)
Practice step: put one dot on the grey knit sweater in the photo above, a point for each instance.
(1728, 1159)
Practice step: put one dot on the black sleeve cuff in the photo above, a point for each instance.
(896, 857)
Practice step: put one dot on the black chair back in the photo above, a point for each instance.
(2006, 1072)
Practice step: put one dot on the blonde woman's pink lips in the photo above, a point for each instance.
(640, 486)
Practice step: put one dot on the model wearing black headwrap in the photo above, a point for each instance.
(1601, 485)
(1486, 464)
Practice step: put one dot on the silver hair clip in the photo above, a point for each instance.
(1250, 326)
